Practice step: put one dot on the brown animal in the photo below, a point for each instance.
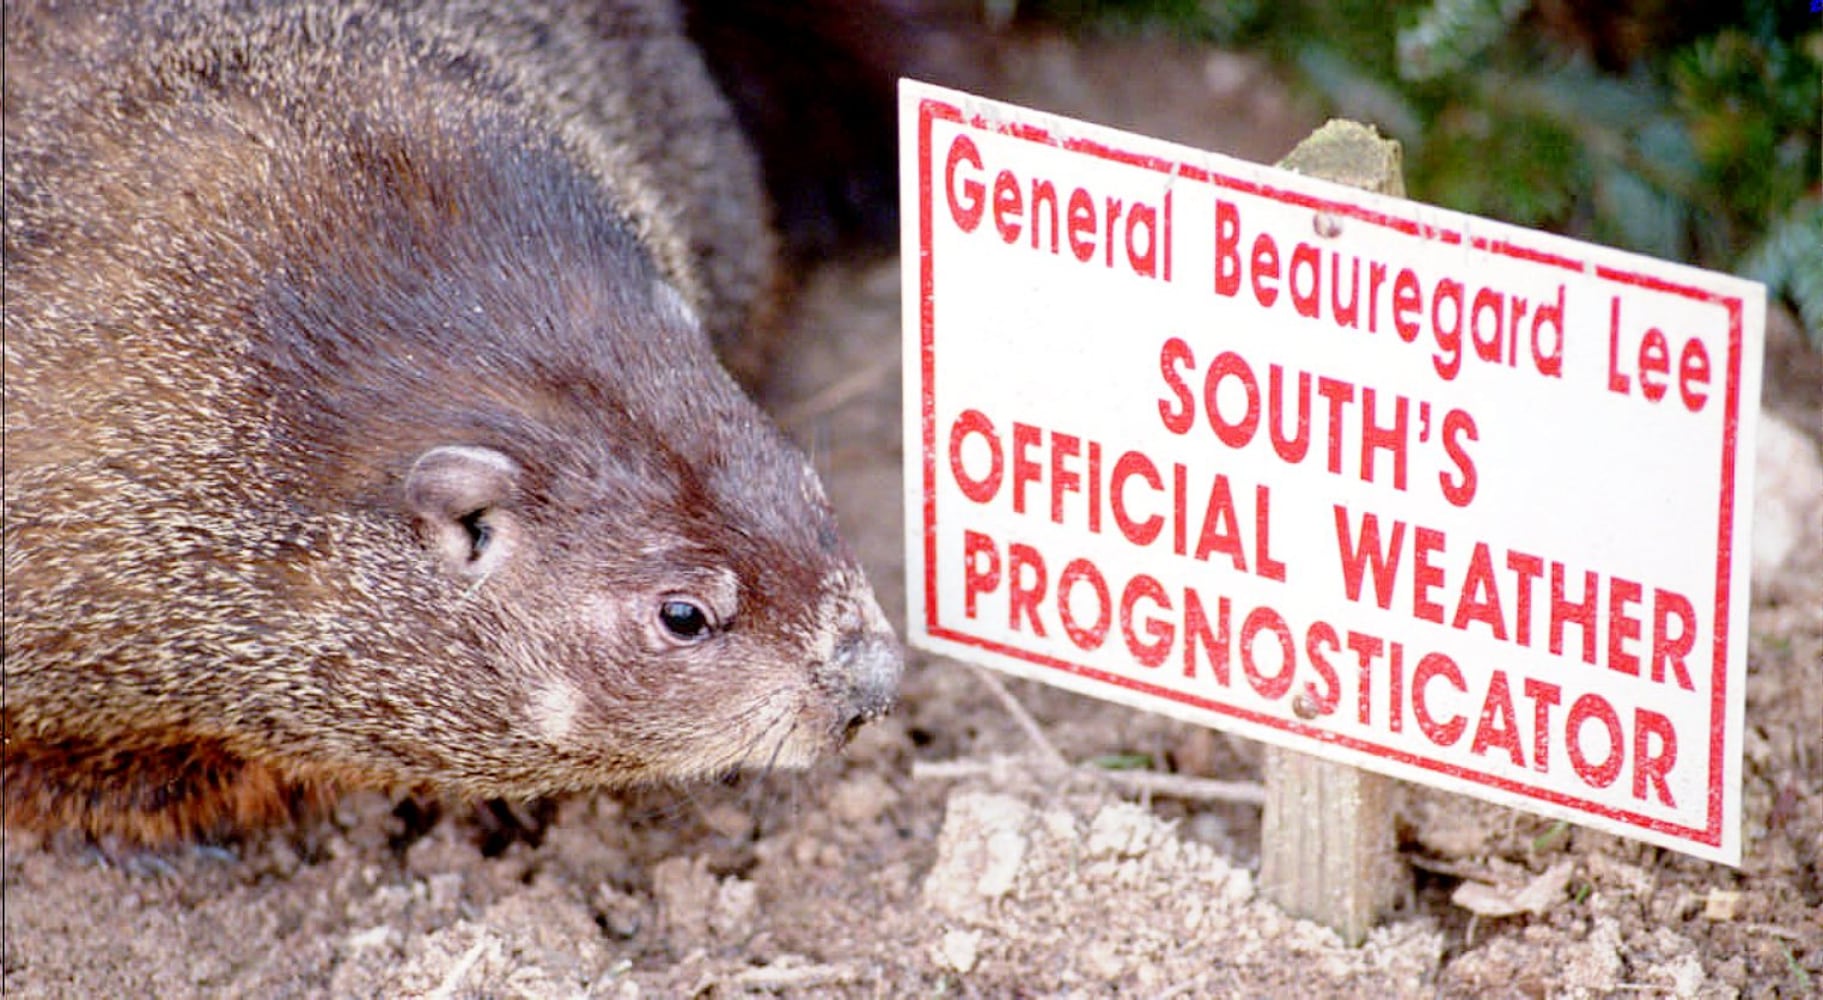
(363, 424)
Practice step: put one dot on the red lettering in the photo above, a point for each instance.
(1179, 518)
(1486, 338)
(1025, 470)
(1143, 218)
(1063, 480)
(1498, 726)
(1262, 619)
(1480, 601)
(1654, 365)
(1618, 382)
(1395, 688)
(1265, 270)
(1107, 231)
(1448, 359)
(1545, 696)
(1366, 649)
(1345, 315)
(980, 568)
(1433, 665)
(1307, 302)
(1044, 195)
(1406, 301)
(975, 422)
(1368, 553)
(1221, 529)
(1650, 768)
(1129, 465)
(1426, 576)
(1023, 595)
(1227, 248)
(1319, 642)
(965, 207)
(1095, 487)
(1460, 490)
(1580, 613)
(1290, 449)
(1548, 360)
(1376, 438)
(1084, 571)
(1234, 435)
(1621, 627)
(1668, 650)
(1270, 568)
(1174, 355)
(1693, 374)
(1198, 632)
(1158, 630)
(1376, 276)
(1007, 206)
(1594, 706)
(1339, 394)
(1525, 570)
(1082, 225)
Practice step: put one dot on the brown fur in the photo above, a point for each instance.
(360, 419)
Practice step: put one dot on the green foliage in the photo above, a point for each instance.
(1680, 131)
(1220, 22)
(1450, 35)
(1123, 762)
(1789, 259)
(1551, 839)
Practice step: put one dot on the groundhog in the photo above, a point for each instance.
(364, 423)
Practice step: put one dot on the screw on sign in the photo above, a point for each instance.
(1407, 490)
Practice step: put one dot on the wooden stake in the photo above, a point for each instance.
(1327, 850)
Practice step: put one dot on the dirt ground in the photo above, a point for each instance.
(936, 858)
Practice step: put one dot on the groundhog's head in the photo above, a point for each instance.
(661, 572)
(631, 573)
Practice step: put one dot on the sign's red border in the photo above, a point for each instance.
(1711, 834)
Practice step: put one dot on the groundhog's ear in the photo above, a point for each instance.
(461, 496)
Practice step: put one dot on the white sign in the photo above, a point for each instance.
(1415, 491)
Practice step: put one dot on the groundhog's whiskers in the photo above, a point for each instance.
(743, 756)
(474, 588)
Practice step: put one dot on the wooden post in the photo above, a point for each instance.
(1327, 851)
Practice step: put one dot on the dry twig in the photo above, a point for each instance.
(1178, 786)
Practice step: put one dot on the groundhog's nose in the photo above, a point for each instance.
(869, 664)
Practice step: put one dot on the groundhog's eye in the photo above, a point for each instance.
(479, 534)
(685, 620)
